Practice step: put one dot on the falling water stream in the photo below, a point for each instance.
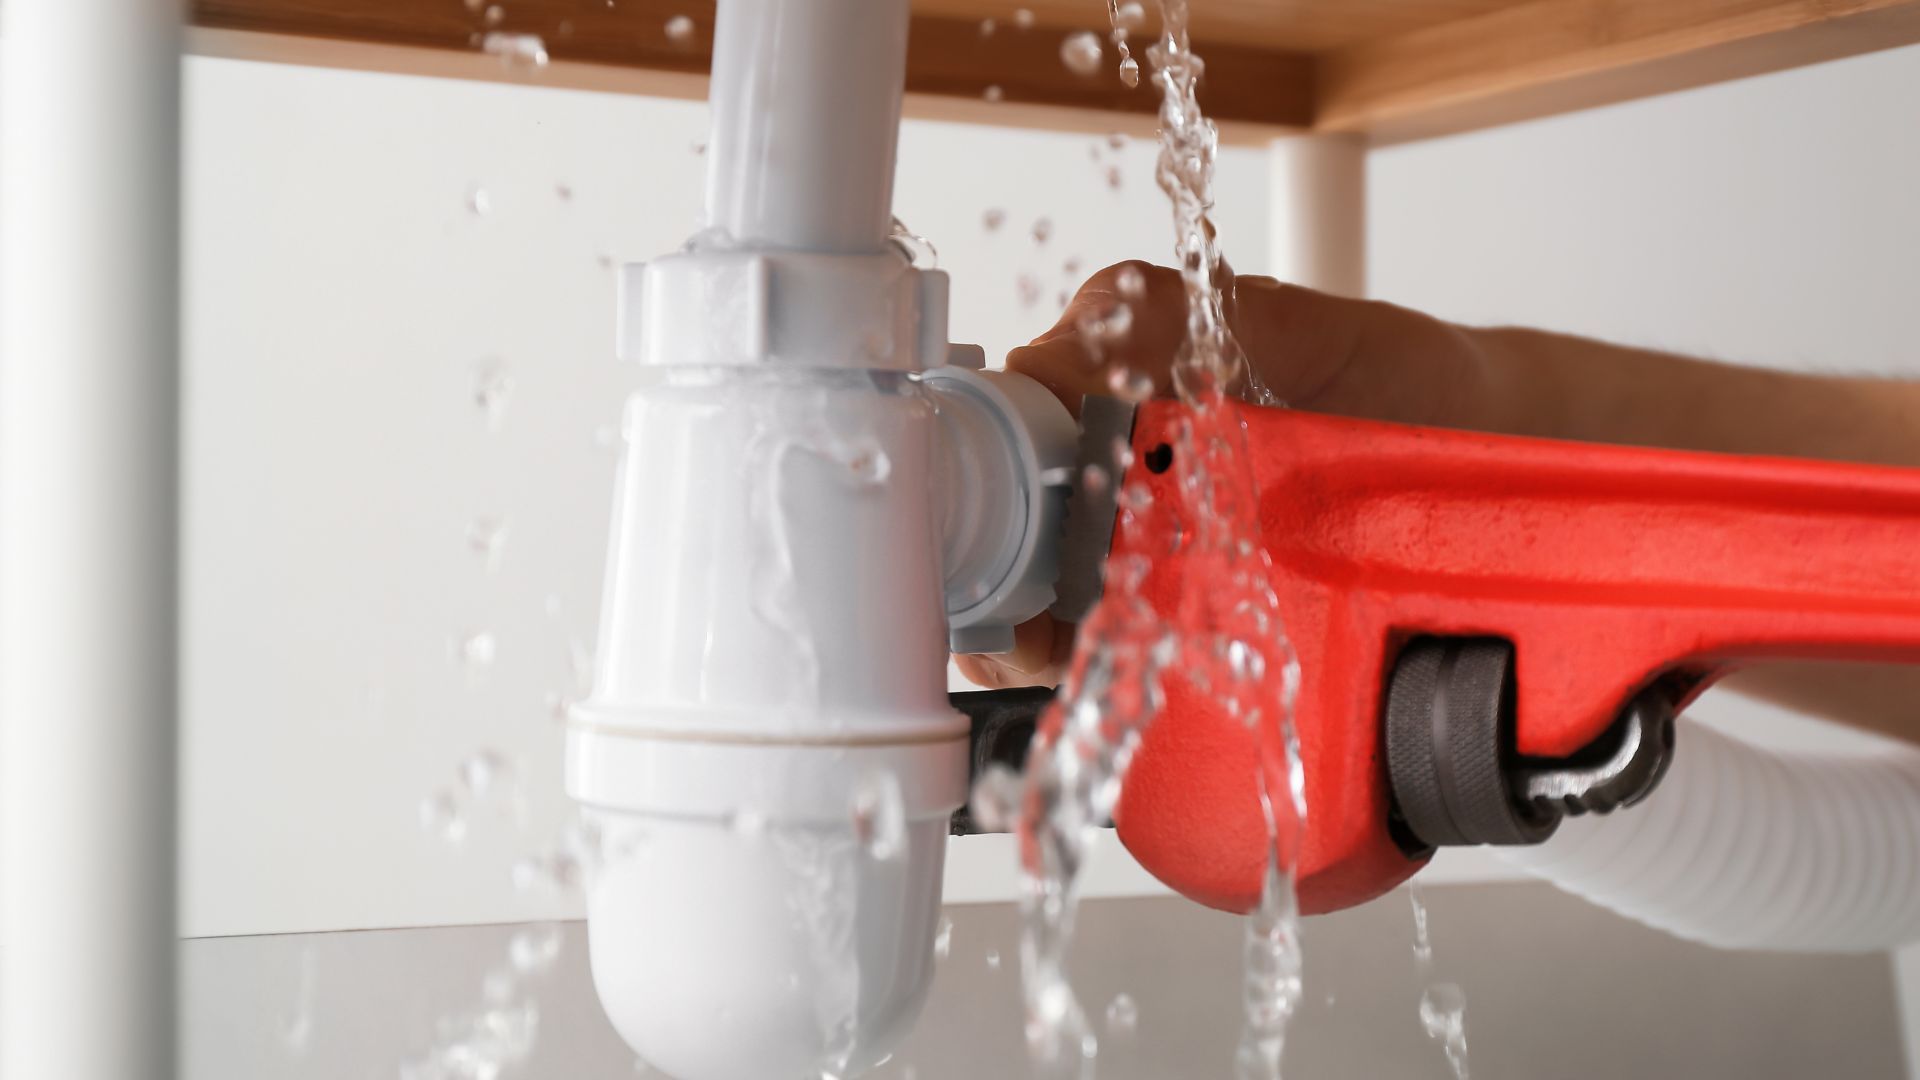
(1225, 644)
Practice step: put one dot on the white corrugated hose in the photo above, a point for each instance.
(1741, 847)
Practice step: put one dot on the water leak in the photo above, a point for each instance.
(943, 938)
(1123, 21)
(296, 1025)
(495, 1036)
(1443, 1013)
(880, 816)
(1443, 1005)
(1223, 649)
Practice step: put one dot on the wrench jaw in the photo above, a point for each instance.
(1455, 774)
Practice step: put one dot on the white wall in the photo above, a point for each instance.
(341, 300)
(1771, 221)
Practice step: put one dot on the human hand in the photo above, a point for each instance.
(1313, 351)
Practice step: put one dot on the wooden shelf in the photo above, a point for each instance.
(1392, 69)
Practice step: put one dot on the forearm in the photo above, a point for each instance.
(1567, 387)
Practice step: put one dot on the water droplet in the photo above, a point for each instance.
(1071, 267)
(993, 959)
(475, 651)
(486, 537)
(1130, 385)
(534, 950)
(942, 938)
(506, 1034)
(1098, 329)
(1027, 289)
(1130, 15)
(1131, 283)
(483, 770)
(994, 803)
(993, 94)
(680, 30)
(440, 816)
(1023, 18)
(558, 706)
(1042, 230)
(1443, 1013)
(993, 219)
(1422, 943)
(296, 1025)
(492, 391)
(1130, 72)
(564, 191)
(1093, 480)
(918, 249)
(869, 466)
(528, 873)
(1116, 140)
(479, 203)
(1115, 178)
(987, 27)
(699, 147)
(1123, 1016)
(516, 50)
(494, 14)
(1082, 52)
(475, 5)
(880, 816)
(565, 29)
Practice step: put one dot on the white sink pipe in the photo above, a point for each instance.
(1742, 848)
(89, 257)
(768, 749)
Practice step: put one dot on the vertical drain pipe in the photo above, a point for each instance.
(89, 258)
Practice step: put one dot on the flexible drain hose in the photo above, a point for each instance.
(1742, 848)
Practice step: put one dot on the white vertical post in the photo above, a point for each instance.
(1319, 222)
(89, 221)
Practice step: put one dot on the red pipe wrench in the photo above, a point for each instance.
(1495, 632)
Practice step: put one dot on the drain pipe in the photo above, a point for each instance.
(89, 256)
(815, 502)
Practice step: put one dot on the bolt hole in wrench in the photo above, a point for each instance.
(1495, 633)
